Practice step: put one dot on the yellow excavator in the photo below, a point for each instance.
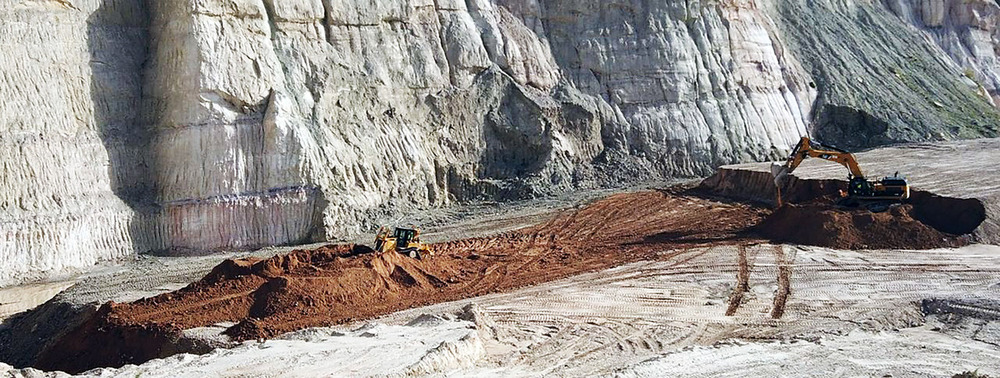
(405, 241)
(875, 195)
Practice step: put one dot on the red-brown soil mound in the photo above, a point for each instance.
(337, 284)
(821, 225)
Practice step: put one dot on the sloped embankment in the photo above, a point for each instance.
(818, 224)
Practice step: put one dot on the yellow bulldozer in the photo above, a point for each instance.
(405, 241)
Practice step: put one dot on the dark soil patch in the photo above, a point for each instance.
(822, 225)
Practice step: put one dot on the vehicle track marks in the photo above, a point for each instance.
(784, 283)
(742, 282)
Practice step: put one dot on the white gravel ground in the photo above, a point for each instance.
(850, 313)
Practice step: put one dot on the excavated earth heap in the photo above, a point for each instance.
(341, 283)
(818, 224)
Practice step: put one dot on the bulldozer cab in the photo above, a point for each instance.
(402, 240)
(404, 236)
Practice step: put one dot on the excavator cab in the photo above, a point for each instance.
(887, 188)
(859, 187)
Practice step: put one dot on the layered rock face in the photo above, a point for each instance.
(880, 79)
(200, 125)
(353, 108)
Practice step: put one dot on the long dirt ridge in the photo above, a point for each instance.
(342, 283)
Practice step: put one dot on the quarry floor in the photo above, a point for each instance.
(700, 307)
(850, 314)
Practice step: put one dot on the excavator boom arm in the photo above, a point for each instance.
(859, 188)
(806, 148)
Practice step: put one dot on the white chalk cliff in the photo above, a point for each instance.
(179, 126)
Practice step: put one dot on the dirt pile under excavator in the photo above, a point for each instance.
(821, 225)
(342, 283)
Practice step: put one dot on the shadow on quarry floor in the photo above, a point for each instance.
(693, 239)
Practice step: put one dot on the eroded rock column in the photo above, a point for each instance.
(225, 156)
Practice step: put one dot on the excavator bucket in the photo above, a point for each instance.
(780, 173)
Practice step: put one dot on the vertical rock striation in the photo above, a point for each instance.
(70, 141)
(199, 125)
(686, 85)
(225, 154)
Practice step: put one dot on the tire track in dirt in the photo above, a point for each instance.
(191, 306)
(784, 283)
(742, 282)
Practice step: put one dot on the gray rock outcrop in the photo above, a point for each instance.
(967, 30)
(199, 125)
(882, 80)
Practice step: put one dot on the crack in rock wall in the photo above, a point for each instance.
(200, 125)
